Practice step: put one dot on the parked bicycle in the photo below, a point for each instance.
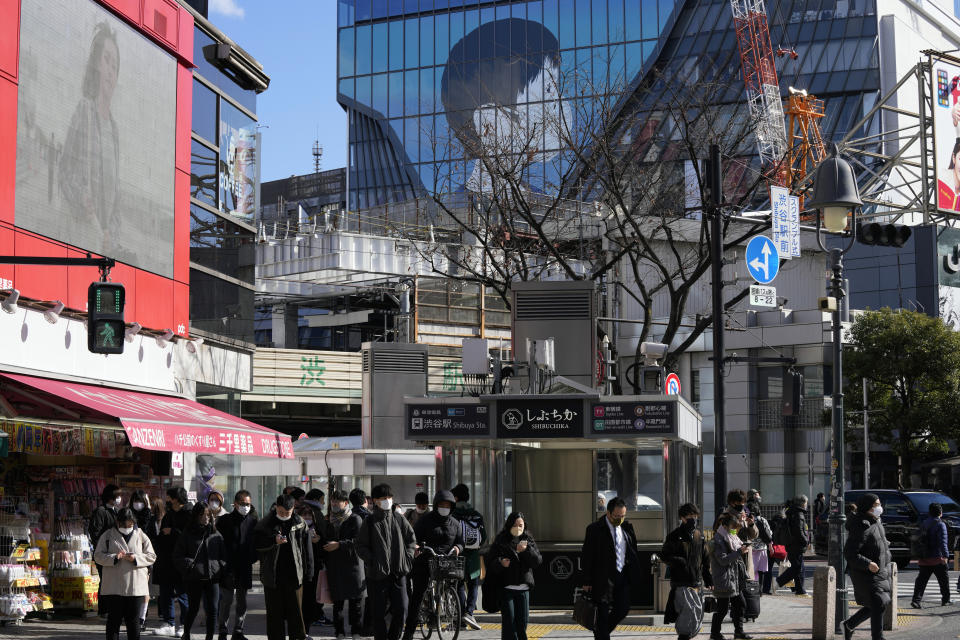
(440, 607)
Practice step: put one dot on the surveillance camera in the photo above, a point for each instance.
(654, 350)
(828, 304)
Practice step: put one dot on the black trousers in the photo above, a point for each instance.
(612, 611)
(939, 570)
(733, 604)
(393, 590)
(795, 572)
(124, 609)
(875, 613)
(420, 581)
(284, 610)
(209, 593)
(353, 613)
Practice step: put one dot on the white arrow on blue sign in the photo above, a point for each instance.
(763, 259)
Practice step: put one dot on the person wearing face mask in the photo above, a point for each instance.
(797, 541)
(745, 523)
(470, 519)
(726, 567)
(511, 559)
(440, 531)
(685, 553)
(316, 525)
(610, 562)
(146, 522)
(386, 544)
(760, 548)
(125, 553)
(422, 502)
(237, 530)
(345, 572)
(283, 544)
(103, 518)
(867, 553)
(165, 574)
(215, 502)
(200, 557)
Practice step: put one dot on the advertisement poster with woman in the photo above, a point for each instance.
(946, 126)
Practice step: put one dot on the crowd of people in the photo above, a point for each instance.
(368, 558)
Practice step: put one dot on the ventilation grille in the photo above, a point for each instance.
(553, 305)
(366, 361)
(160, 23)
(399, 362)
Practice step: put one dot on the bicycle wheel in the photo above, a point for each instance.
(448, 614)
(426, 615)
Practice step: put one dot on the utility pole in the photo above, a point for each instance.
(715, 183)
(866, 438)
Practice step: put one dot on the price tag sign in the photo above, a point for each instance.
(763, 296)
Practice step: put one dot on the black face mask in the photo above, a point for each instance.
(690, 524)
(738, 507)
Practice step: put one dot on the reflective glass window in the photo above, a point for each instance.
(204, 51)
(666, 9)
(219, 244)
(346, 52)
(363, 9)
(379, 9)
(599, 18)
(396, 95)
(648, 20)
(471, 20)
(411, 138)
(239, 163)
(363, 49)
(203, 173)
(396, 7)
(426, 90)
(411, 42)
(345, 14)
(345, 87)
(396, 45)
(204, 111)
(583, 22)
(456, 28)
(380, 102)
(363, 90)
(615, 20)
(441, 26)
(411, 92)
(380, 43)
(220, 307)
(426, 41)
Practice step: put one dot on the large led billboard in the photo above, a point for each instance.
(946, 137)
(96, 132)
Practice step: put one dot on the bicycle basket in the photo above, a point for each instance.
(446, 567)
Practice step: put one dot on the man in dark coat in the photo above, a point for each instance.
(797, 541)
(165, 575)
(386, 544)
(610, 563)
(237, 530)
(936, 552)
(685, 553)
(104, 517)
(285, 550)
(440, 531)
(358, 499)
(345, 573)
(868, 560)
(468, 516)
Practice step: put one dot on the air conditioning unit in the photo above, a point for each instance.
(390, 370)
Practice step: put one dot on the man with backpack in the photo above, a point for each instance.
(474, 535)
(933, 557)
(796, 541)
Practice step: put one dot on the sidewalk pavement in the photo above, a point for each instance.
(783, 617)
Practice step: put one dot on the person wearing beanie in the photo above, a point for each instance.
(471, 521)
(868, 560)
(440, 531)
(215, 502)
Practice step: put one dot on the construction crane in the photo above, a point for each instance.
(787, 154)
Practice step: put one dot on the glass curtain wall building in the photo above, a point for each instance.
(419, 78)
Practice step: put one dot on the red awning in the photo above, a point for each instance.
(165, 423)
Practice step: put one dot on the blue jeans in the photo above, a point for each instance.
(514, 613)
(468, 596)
(168, 596)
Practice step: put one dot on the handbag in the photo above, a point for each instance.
(778, 552)
(323, 588)
(709, 603)
(585, 612)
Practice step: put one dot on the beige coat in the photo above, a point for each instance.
(123, 577)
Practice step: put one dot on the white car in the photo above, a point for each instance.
(644, 503)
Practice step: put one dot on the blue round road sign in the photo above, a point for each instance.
(763, 259)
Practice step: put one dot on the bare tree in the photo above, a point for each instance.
(604, 186)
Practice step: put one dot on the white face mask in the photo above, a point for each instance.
(284, 518)
(336, 508)
(421, 509)
(386, 504)
(877, 512)
(215, 505)
(307, 522)
(243, 509)
(444, 511)
(138, 506)
(117, 501)
(125, 530)
(516, 531)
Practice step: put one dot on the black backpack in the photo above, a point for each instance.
(781, 531)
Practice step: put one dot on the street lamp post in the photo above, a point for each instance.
(836, 196)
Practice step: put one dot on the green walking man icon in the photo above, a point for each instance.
(107, 335)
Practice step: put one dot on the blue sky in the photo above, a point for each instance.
(296, 42)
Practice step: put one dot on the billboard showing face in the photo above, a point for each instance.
(95, 134)
(946, 126)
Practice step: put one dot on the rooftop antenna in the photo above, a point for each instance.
(317, 156)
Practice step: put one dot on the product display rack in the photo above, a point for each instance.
(23, 581)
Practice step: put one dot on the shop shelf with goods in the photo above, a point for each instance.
(23, 579)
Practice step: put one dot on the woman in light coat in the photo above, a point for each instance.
(727, 569)
(125, 553)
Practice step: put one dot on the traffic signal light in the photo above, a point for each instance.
(105, 326)
(792, 392)
(883, 235)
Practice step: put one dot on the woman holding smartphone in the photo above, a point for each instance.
(510, 563)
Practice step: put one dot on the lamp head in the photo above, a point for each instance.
(835, 191)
